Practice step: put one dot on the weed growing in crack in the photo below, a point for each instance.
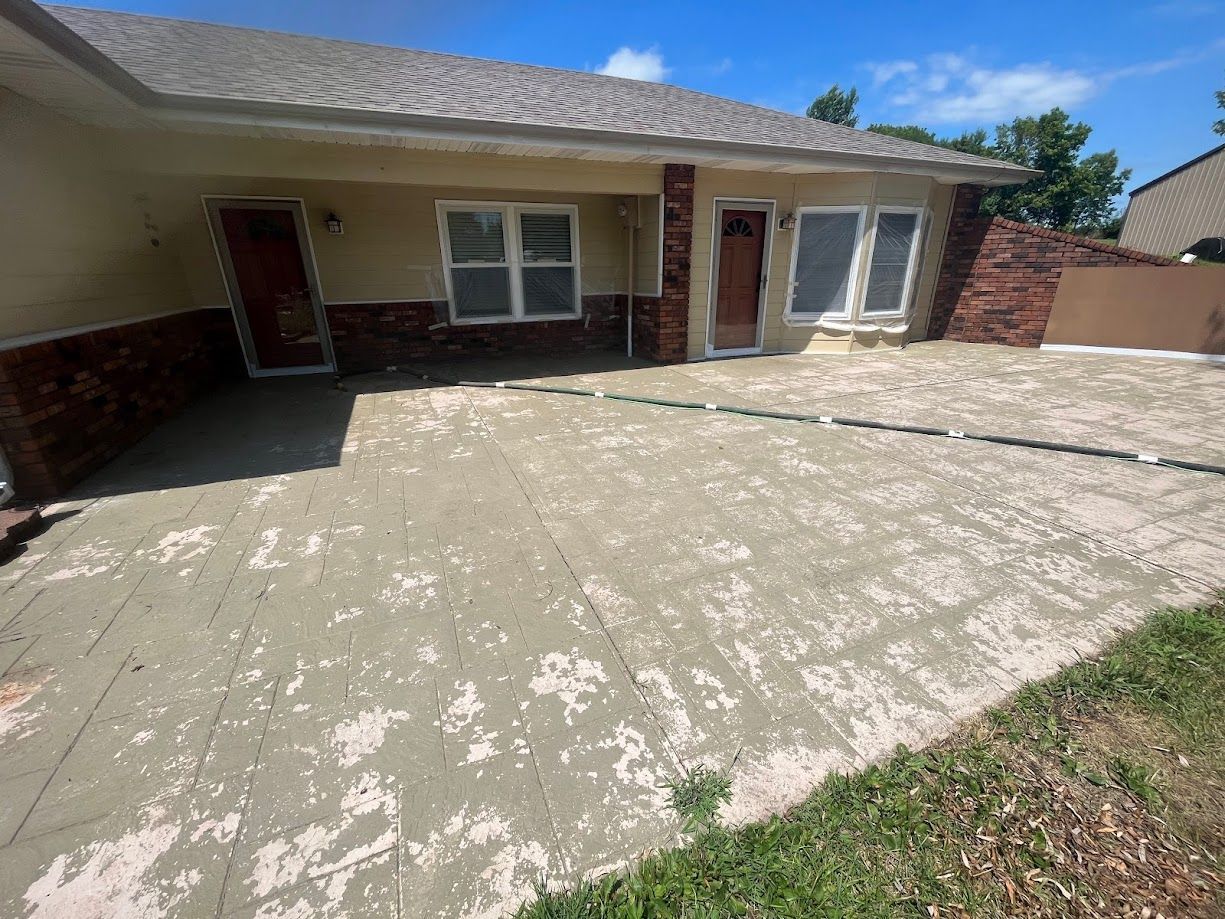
(698, 795)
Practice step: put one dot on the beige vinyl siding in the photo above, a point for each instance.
(390, 250)
(789, 193)
(1178, 211)
(76, 248)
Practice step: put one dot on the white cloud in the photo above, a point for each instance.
(883, 73)
(952, 89)
(636, 65)
(980, 94)
(949, 88)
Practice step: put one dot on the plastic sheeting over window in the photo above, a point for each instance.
(511, 261)
(824, 263)
(889, 273)
(481, 292)
(548, 291)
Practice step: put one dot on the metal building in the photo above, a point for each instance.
(1179, 208)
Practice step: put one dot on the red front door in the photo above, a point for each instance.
(742, 240)
(271, 275)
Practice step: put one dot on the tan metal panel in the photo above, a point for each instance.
(1161, 309)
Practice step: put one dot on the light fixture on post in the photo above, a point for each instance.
(335, 225)
(787, 222)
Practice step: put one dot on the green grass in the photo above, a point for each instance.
(1029, 812)
(698, 795)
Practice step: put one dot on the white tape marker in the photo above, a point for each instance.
(825, 419)
(599, 395)
(710, 407)
(960, 434)
(500, 385)
(1148, 458)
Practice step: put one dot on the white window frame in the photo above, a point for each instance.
(853, 281)
(912, 261)
(514, 264)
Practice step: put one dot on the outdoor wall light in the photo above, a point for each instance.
(335, 225)
(786, 222)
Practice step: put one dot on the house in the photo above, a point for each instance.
(1178, 209)
(187, 202)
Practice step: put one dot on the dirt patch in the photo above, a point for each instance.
(1191, 788)
(1101, 849)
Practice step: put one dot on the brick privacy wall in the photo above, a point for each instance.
(69, 405)
(998, 278)
(661, 324)
(370, 336)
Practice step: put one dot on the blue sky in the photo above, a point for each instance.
(1142, 74)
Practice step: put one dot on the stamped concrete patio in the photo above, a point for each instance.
(400, 650)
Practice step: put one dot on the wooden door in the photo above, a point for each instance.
(266, 255)
(742, 241)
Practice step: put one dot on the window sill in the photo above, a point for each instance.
(516, 320)
(814, 321)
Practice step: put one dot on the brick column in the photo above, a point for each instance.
(960, 249)
(661, 325)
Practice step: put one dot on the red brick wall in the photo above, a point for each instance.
(661, 324)
(69, 405)
(998, 277)
(370, 336)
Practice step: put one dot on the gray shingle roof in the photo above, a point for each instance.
(202, 60)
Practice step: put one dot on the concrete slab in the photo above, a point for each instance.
(401, 649)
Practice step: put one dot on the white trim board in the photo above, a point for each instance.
(34, 338)
(1136, 352)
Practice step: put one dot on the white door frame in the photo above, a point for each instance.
(296, 206)
(767, 206)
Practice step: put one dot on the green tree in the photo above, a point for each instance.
(1219, 127)
(1072, 194)
(967, 142)
(836, 106)
(970, 142)
(906, 132)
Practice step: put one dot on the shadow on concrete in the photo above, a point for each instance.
(281, 425)
(249, 429)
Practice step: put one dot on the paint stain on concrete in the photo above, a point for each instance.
(183, 545)
(108, 878)
(261, 559)
(574, 679)
(15, 694)
(363, 734)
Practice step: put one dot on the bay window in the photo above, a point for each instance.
(830, 287)
(824, 262)
(895, 251)
(510, 262)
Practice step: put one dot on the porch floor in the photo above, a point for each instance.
(401, 649)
